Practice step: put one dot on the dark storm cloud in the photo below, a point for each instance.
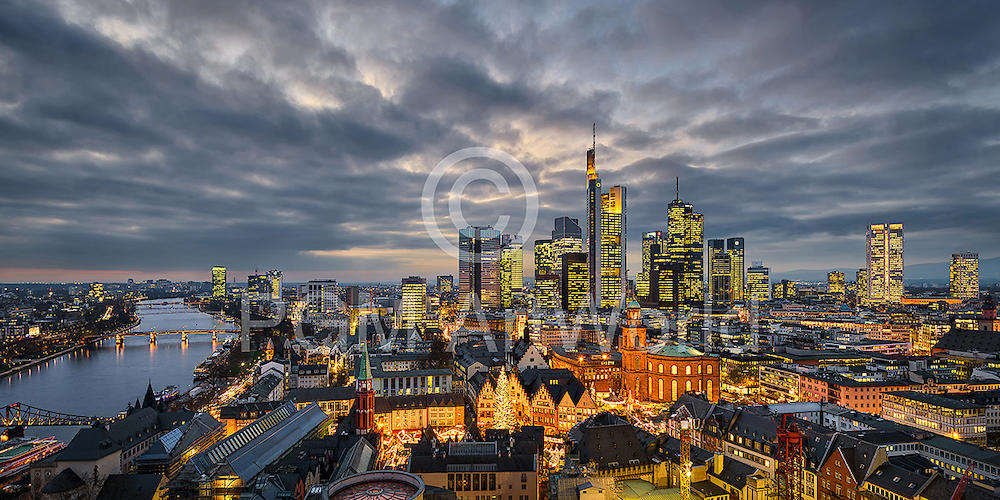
(168, 137)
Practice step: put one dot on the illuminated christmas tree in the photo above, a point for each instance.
(503, 403)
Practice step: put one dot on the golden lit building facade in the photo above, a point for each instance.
(574, 279)
(414, 302)
(836, 283)
(964, 271)
(511, 271)
(861, 286)
(547, 291)
(758, 283)
(218, 282)
(685, 240)
(613, 247)
(885, 263)
(543, 257)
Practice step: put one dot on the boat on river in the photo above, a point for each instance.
(17, 454)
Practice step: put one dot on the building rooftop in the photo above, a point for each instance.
(936, 400)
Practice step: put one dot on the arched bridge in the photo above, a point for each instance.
(20, 414)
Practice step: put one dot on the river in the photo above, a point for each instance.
(103, 379)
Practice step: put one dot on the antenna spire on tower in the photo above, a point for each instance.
(595, 137)
(677, 189)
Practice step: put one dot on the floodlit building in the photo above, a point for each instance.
(218, 282)
(593, 248)
(613, 247)
(649, 239)
(759, 283)
(964, 275)
(567, 237)
(836, 283)
(511, 270)
(445, 283)
(414, 302)
(677, 281)
(322, 296)
(543, 258)
(885, 263)
(574, 279)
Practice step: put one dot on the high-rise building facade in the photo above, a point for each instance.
(964, 273)
(574, 280)
(737, 266)
(649, 238)
(445, 283)
(259, 286)
(414, 302)
(511, 270)
(685, 240)
(593, 224)
(718, 272)
(274, 284)
(322, 296)
(613, 247)
(885, 263)
(543, 258)
(836, 283)
(479, 266)
(547, 291)
(861, 286)
(218, 282)
(566, 237)
(758, 283)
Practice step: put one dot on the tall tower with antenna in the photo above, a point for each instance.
(593, 224)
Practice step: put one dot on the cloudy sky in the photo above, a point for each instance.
(152, 139)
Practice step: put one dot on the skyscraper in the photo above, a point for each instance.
(258, 286)
(322, 296)
(885, 263)
(547, 291)
(479, 265)
(861, 286)
(649, 238)
(593, 223)
(735, 249)
(613, 247)
(965, 275)
(543, 258)
(414, 302)
(719, 274)
(445, 283)
(758, 283)
(566, 237)
(685, 237)
(511, 270)
(274, 283)
(218, 282)
(836, 283)
(574, 280)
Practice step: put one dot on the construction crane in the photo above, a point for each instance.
(685, 422)
(790, 455)
(960, 489)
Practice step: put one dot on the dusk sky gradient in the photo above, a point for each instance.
(154, 139)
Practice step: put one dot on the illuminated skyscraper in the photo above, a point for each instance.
(574, 280)
(511, 270)
(758, 283)
(547, 291)
(414, 302)
(719, 274)
(322, 296)
(965, 275)
(218, 282)
(885, 263)
(861, 286)
(479, 265)
(258, 286)
(543, 258)
(649, 238)
(735, 249)
(836, 283)
(613, 247)
(274, 284)
(685, 240)
(784, 289)
(593, 222)
(566, 237)
(445, 283)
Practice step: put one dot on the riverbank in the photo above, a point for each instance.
(68, 350)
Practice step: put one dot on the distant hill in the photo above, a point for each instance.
(989, 272)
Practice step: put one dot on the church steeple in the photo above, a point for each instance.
(364, 395)
(149, 400)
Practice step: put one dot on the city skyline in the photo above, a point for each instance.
(796, 151)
